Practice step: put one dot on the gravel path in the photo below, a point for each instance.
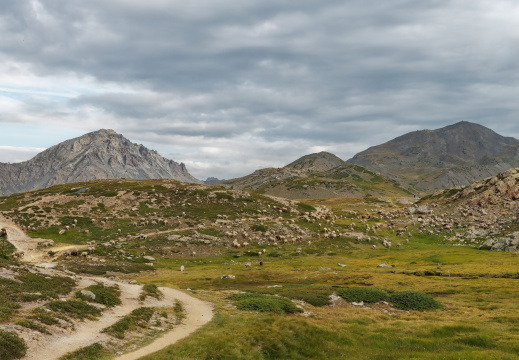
(51, 347)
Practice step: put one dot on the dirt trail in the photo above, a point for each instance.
(197, 312)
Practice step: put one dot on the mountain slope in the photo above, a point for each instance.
(452, 156)
(102, 154)
(320, 175)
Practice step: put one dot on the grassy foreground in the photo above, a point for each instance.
(479, 319)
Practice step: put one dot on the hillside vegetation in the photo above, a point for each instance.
(318, 176)
(281, 272)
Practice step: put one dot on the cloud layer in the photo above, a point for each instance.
(228, 87)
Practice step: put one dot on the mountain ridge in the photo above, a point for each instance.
(455, 155)
(102, 154)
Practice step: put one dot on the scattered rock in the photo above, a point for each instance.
(88, 294)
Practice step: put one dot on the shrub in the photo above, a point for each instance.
(139, 316)
(150, 290)
(108, 296)
(264, 303)
(368, 295)
(43, 317)
(91, 352)
(305, 207)
(259, 227)
(75, 308)
(11, 346)
(414, 300)
(32, 325)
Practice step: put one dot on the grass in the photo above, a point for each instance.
(358, 294)
(11, 346)
(479, 297)
(138, 317)
(91, 352)
(264, 303)
(150, 290)
(33, 326)
(109, 296)
(75, 308)
(414, 300)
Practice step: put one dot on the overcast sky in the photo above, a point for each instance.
(228, 87)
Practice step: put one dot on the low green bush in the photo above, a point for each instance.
(138, 317)
(109, 296)
(11, 346)
(43, 316)
(91, 352)
(150, 290)
(368, 295)
(414, 300)
(264, 303)
(75, 308)
(29, 324)
(305, 207)
(259, 227)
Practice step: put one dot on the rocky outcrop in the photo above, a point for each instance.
(509, 243)
(102, 154)
(456, 155)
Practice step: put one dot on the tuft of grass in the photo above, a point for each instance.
(414, 300)
(11, 346)
(91, 352)
(138, 317)
(264, 303)
(33, 326)
(305, 207)
(75, 308)
(150, 290)
(43, 316)
(358, 294)
(478, 340)
(109, 296)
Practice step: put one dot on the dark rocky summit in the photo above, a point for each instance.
(455, 155)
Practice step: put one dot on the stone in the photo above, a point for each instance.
(149, 258)
(88, 294)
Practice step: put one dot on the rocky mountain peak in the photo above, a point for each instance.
(454, 155)
(102, 154)
(322, 161)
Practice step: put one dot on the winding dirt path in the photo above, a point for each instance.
(51, 347)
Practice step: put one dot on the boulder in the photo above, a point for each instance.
(88, 294)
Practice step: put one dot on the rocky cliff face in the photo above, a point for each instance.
(102, 154)
(455, 155)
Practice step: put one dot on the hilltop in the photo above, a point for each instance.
(101, 154)
(455, 155)
(319, 175)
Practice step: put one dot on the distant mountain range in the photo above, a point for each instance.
(320, 175)
(102, 154)
(417, 162)
(420, 162)
(455, 155)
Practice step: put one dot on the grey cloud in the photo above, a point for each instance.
(332, 74)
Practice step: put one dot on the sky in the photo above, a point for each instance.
(229, 87)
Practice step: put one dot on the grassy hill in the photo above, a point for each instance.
(305, 252)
